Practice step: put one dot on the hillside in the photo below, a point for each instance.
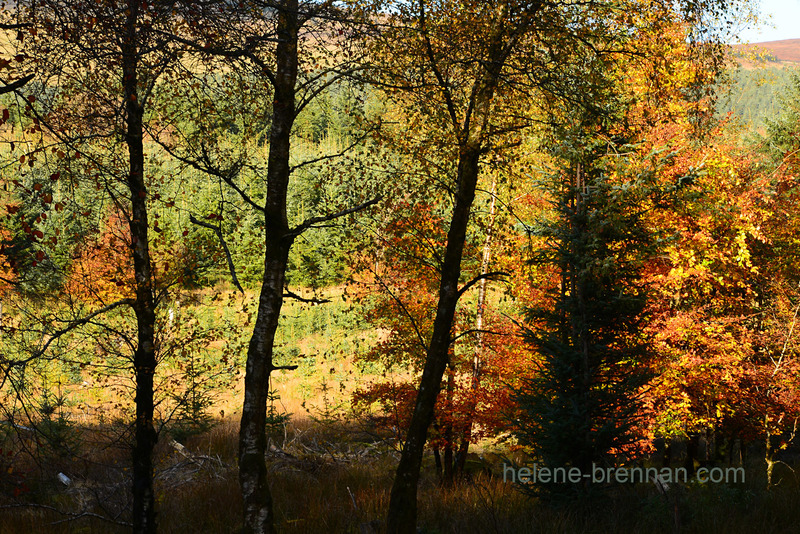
(764, 71)
(785, 51)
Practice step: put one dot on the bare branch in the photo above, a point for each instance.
(477, 331)
(205, 165)
(342, 152)
(283, 367)
(72, 325)
(309, 96)
(308, 223)
(18, 26)
(494, 275)
(13, 86)
(404, 310)
(217, 230)
(295, 296)
(235, 53)
(443, 84)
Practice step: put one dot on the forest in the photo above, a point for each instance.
(396, 266)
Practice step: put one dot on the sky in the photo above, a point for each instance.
(784, 22)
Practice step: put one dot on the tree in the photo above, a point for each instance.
(583, 402)
(447, 64)
(727, 301)
(297, 50)
(96, 65)
(398, 274)
(463, 66)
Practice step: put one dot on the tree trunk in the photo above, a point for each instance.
(402, 516)
(692, 446)
(258, 514)
(437, 461)
(477, 361)
(471, 136)
(449, 424)
(144, 359)
(769, 458)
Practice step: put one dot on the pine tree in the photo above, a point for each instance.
(581, 406)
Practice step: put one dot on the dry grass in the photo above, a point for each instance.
(336, 476)
(329, 472)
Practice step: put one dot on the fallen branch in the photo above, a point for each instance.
(72, 515)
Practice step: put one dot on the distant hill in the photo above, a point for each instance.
(766, 70)
(785, 51)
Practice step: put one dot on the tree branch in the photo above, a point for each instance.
(68, 328)
(217, 230)
(488, 276)
(235, 53)
(443, 85)
(283, 367)
(18, 26)
(308, 223)
(295, 296)
(477, 331)
(13, 86)
(208, 168)
(342, 152)
(404, 310)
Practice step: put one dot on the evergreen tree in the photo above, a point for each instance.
(582, 404)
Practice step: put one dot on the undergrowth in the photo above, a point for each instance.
(335, 476)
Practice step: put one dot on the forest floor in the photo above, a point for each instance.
(335, 476)
(330, 469)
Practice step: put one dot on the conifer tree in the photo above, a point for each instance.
(583, 403)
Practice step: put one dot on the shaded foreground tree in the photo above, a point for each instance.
(96, 64)
(467, 68)
(299, 49)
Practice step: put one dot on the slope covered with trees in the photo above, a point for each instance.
(402, 251)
